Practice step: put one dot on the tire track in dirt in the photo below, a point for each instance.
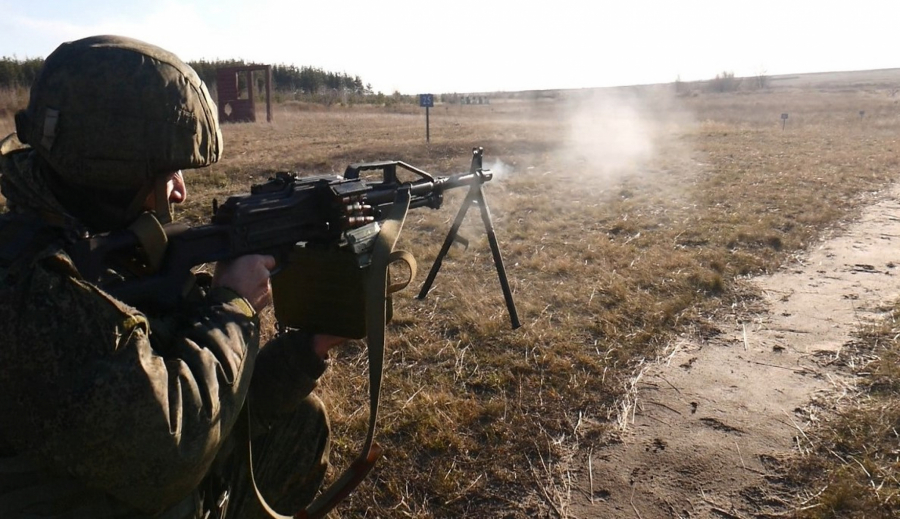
(707, 421)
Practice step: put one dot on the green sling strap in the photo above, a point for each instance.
(377, 293)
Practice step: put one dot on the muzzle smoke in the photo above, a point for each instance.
(620, 132)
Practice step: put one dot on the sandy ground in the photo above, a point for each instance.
(710, 418)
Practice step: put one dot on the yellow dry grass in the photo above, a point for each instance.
(626, 218)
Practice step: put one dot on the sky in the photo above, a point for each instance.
(421, 46)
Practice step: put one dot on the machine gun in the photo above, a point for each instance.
(321, 230)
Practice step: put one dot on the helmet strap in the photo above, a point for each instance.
(158, 190)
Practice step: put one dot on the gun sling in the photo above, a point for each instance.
(377, 293)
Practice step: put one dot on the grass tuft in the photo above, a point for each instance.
(854, 463)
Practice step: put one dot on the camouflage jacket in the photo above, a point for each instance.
(108, 412)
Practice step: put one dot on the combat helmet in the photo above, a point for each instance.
(115, 113)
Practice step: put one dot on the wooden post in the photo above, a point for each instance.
(427, 101)
(268, 93)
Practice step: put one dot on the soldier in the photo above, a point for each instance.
(109, 411)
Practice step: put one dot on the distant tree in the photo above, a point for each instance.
(724, 82)
(311, 80)
(762, 80)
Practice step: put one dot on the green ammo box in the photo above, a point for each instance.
(322, 291)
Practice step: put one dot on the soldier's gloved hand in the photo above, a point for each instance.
(249, 277)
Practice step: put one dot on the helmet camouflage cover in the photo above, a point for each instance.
(115, 113)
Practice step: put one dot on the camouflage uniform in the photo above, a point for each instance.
(110, 413)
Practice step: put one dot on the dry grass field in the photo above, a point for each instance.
(627, 218)
(848, 466)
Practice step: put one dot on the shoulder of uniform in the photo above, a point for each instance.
(23, 237)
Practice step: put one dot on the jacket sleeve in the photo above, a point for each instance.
(287, 370)
(101, 397)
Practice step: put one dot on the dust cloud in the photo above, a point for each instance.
(626, 132)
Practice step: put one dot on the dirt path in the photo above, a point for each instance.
(709, 419)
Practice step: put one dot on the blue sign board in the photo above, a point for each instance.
(426, 100)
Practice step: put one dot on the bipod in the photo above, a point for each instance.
(475, 196)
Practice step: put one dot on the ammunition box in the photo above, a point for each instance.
(323, 291)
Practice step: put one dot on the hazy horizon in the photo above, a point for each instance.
(472, 46)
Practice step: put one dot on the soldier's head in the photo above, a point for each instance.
(113, 119)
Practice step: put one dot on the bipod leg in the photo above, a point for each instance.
(448, 242)
(498, 259)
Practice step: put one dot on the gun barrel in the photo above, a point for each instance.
(441, 184)
(425, 192)
(465, 179)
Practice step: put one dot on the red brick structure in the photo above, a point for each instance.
(236, 98)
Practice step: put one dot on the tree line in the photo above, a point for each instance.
(16, 73)
(290, 78)
(20, 73)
